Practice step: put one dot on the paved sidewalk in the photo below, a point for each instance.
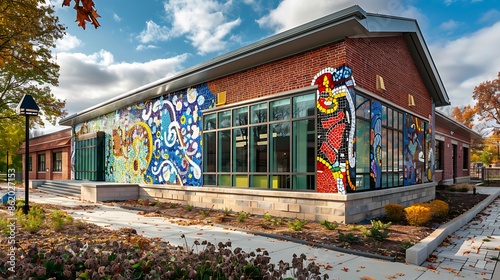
(469, 255)
(472, 251)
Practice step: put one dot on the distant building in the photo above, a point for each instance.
(452, 150)
(50, 156)
(330, 120)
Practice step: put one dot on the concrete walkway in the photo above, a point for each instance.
(472, 252)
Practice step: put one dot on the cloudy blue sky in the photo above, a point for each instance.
(143, 41)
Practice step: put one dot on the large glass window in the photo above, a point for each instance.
(389, 165)
(392, 137)
(250, 149)
(363, 134)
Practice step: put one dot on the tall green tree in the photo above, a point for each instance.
(28, 32)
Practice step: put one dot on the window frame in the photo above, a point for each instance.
(57, 161)
(260, 118)
(41, 160)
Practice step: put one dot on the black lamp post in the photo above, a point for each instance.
(27, 107)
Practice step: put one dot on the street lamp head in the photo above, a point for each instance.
(27, 106)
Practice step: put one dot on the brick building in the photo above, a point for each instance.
(452, 150)
(330, 120)
(50, 156)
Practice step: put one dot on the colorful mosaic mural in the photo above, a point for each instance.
(414, 156)
(429, 174)
(157, 141)
(376, 145)
(336, 130)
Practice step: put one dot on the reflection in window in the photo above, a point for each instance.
(304, 158)
(280, 147)
(209, 151)
(280, 109)
(240, 149)
(209, 122)
(304, 106)
(224, 160)
(258, 148)
(258, 113)
(249, 149)
(240, 116)
(224, 119)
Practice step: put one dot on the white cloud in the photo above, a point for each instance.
(468, 61)
(116, 17)
(202, 21)
(490, 16)
(449, 25)
(291, 13)
(87, 80)
(67, 42)
(145, 47)
(154, 33)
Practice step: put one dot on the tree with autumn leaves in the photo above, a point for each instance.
(484, 115)
(85, 11)
(28, 32)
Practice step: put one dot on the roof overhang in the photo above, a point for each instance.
(455, 126)
(351, 22)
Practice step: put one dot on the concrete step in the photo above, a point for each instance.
(61, 188)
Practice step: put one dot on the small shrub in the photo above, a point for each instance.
(378, 231)
(439, 208)
(4, 226)
(226, 211)
(31, 221)
(189, 207)
(460, 188)
(205, 212)
(173, 205)
(347, 239)
(267, 217)
(297, 224)
(275, 221)
(59, 219)
(406, 245)
(353, 227)
(329, 225)
(418, 214)
(19, 203)
(394, 212)
(242, 216)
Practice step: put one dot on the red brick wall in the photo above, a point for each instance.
(280, 75)
(390, 58)
(460, 138)
(386, 56)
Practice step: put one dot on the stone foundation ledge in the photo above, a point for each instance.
(418, 253)
(95, 192)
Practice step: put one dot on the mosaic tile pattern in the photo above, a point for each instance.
(414, 156)
(157, 141)
(336, 134)
(429, 174)
(376, 146)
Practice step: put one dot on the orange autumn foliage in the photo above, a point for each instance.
(85, 11)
